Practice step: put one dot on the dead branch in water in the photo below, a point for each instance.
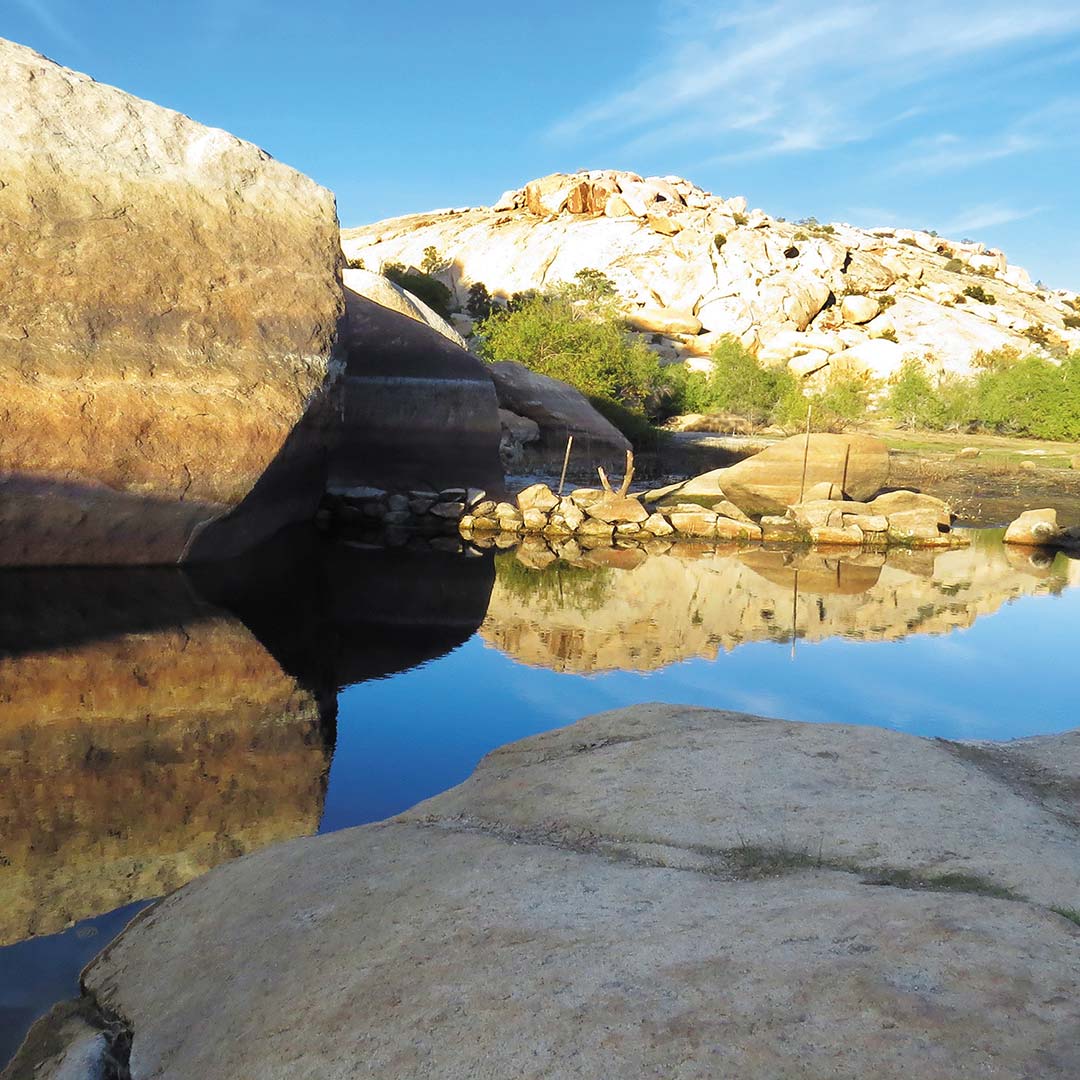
(627, 480)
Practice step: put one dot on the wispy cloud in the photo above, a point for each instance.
(987, 216)
(764, 79)
(948, 152)
(50, 22)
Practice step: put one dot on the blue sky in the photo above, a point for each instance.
(961, 116)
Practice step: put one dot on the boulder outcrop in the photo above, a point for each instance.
(167, 337)
(638, 892)
(1040, 528)
(689, 266)
(559, 411)
(774, 479)
(384, 292)
(415, 409)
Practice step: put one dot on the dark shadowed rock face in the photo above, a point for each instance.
(171, 303)
(417, 411)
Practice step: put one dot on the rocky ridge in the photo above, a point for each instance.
(692, 266)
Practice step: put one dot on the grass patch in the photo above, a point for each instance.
(1070, 913)
(776, 860)
(952, 881)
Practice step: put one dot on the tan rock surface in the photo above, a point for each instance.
(772, 480)
(171, 301)
(749, 275)
(586, 906)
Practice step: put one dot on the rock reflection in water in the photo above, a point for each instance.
(696, 602)
(154, 723)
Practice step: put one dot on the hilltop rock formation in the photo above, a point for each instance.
(691, 266)
(657, 890)
(167, 336)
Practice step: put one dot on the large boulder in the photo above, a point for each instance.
(774, 479)
(417, 410)
(560, 411)
(167, 333)
(658, 890)
(382, 291)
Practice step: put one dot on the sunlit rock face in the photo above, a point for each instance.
(671, 608)
(168, 332)
(130, 765)
(690, 266)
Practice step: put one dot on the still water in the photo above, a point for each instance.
(154, 724)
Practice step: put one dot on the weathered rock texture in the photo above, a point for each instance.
(559, 411)
(171, 300)
(655, 891)
(775, 479)
(697, 602)
(691, 266)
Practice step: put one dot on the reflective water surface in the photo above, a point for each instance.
(154, 724)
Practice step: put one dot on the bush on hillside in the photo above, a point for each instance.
(977, 292)
(423, 286)
(479, 305)
(1010, 396)
(595, 353)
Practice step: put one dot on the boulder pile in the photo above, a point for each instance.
(596, 518)
(690, 266)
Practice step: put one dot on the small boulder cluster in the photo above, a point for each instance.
(597, 517)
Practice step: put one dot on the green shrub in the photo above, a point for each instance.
(912, 400)
(739, 384)
(354, 264)
(595, 353)
(841, 403)
(1032, 397)
(977, 292)
(634, 424)
(954, 266)
(1010, 395)
(432, 262)
(479, 304)
(592, 288)
(886, 301)
(1072, 322)
(423, 286)
(800, 235)
(719, 240)
(888, 335)
(739, 218)
(909, 241)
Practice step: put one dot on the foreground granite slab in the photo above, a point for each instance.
(657, 891)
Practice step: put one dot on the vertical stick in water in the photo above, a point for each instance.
(806, 451)
(565, 461)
